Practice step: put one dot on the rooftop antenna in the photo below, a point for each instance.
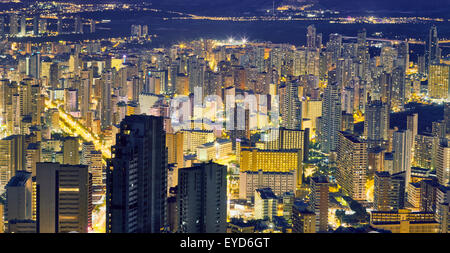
(273, 8)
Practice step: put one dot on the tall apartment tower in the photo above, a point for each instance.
(311, 37)
(23, 25)
(443, 164)
(432, 48)
(62, 198)
(331, 118)
(352, 163)
(389, 191)
(447, 118)
(438, 81)
(78, 25)
(106, 101)
(137, 177)
(59, 25)
(2, 26)
(319, 202)
(412, 124)
(402, 153)
(202, 198)
(291, 107)
(12, 158)
(13, 24)
(376, 123)
(18, 197)
(71, 153)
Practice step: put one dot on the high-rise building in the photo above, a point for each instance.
(402, 147)
(23, 25)
(62, 196)
(331, 118)
(397, 89)
(12, 158)
(174, 142)
(202, 198)
(438, 83)
(18, 197)
(93, 158)
(443, 164)
(71, 153)
(59, 24)
(137, 177)
(447, 118)
(265, 204)
(282, 138)
(438, 128)
(412, 124)
(13, 24)
(303, 220)
(291, 107)
(428, 190)
(425, 148)
(280, 170)
(376, 124)
(433, 52)
(2, 26)
(78, 24)
(311, 37)
(319, 202)
(36, 25)
(389, 191)
(352, 164)
(92, 26)
(33, 156)
(42, 26)
(106, 98)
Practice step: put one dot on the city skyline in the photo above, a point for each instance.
(292, 117)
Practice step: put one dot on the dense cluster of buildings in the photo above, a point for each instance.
(92, 138)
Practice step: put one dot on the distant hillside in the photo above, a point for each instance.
(387, 5)
(214, 7)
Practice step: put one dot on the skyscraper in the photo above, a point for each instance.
(389, 191)
(291, 107)
(265, 204)
(447, 118)
(71, 151)
(59, 25)
(137, 177)
(412, 124)
(311, 37)
(78, 24)
(438, 81)
(443, 164)
(402, 153)
(376, 123)
(319, 202)
(36, 25)
(18, 197)
(92, 26)
(62, 196)
(352, 163)
(303, 220)
(12, 158)
(23, 25)
(2, 26)
(13, 24)
(331, 118)
(106, 102)
(202, 198)
(433, 53)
